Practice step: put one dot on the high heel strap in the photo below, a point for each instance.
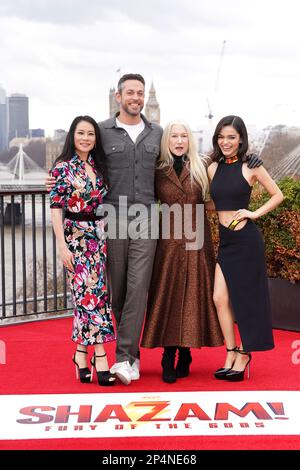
(83, 373)
(104, 376)
(241, 351)
(93, 358)
(238, 375)
(235, 349)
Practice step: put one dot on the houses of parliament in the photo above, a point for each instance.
(152, 109)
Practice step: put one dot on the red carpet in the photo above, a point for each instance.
(38, 361)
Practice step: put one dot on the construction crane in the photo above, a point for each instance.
(210, 114)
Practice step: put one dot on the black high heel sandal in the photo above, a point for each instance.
(238, 375)
(222, 373)
(84, 374)
(105, 377)
(184, 361)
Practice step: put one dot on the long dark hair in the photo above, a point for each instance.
(97, 153)
(238, 124)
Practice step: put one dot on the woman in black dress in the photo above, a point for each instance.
(240, 286)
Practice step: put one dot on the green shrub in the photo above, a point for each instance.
(281, 230)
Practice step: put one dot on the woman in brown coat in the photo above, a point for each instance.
(180, 312)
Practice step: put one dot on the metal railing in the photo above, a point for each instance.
(32, 280)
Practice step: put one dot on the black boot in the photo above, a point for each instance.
(183, 364)
(168, 364)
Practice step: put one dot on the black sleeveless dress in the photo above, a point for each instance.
(241, 258)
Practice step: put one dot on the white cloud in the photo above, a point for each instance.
(64, 55)
(161, 14)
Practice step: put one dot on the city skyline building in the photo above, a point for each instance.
(3, 119)
(37, 133)
(60, 135)
(18, 116)
(55, 146)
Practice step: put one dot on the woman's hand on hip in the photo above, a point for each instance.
(242, 214)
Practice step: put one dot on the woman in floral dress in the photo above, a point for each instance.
(79, 190)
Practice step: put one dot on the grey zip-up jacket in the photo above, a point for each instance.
(130, 166)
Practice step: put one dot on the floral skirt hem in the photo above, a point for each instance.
(86, 343)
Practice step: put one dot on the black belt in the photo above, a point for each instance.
(83, 216)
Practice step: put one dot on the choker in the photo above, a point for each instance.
(231, 160)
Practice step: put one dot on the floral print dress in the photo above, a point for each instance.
(74, 192)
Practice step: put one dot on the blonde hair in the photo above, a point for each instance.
(197, 163)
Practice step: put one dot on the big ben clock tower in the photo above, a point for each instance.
(152, 110)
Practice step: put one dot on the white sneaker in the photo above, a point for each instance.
(122, 371)
(135, 370)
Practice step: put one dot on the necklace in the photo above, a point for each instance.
(230, 160)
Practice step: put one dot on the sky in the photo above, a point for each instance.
(64, 55)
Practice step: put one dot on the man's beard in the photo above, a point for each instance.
(132, 113)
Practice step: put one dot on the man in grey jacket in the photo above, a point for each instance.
(131, 145)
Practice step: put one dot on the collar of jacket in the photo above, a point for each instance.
(110, 123)
(170, 173)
